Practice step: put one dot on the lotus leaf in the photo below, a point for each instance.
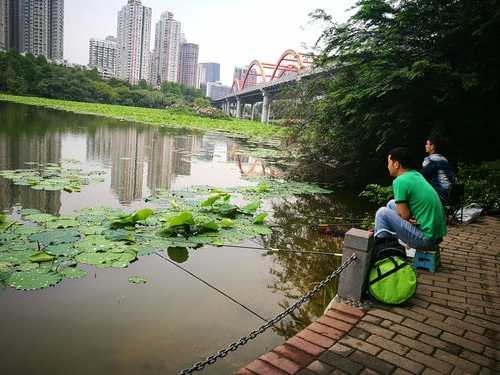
(30, 280)
(178, 254)
(261, 229)
(55, 237)
(132, 219)
(90, 229)
(62, 222)
(137, 280)
(95, 243)
(16, 258)
(27, 267)
(260, 218)
(250, 208)
(27, 229)
(214, 198)
(227, 223)
(73, 273)
(41, 257)
(65, 249)
(205, 223)
(119, 235)
(183, 218)
(97, 258)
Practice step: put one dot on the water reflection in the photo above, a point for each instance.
(296, 274)
(139, 159)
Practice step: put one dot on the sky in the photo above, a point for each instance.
(230, 32)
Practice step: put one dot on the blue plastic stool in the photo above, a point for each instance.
(427, 259)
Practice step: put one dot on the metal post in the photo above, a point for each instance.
(265, 107)
(352, 281)
(238, 107)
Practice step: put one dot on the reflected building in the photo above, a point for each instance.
(15, 152)
(139, 155)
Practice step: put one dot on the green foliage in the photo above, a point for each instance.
(401, 70)
(137, 280)
(377, 194)
(482, 184)
(132, 219)
(30, 75)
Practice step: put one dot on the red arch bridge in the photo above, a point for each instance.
(263, 81)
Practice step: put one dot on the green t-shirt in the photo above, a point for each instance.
(423, 201)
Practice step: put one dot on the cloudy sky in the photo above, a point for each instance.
(230, 32)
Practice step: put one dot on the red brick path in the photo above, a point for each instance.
(451, 326)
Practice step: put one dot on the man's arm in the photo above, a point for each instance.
(403, 211)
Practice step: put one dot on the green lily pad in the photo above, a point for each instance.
(27, 266)
(97, 258)
(62, 222)
(30, 280)
(41, 257)
(178, 254)
(40, 218)
(55, 237)
(64, 249)
(137, 280)
(73, 273)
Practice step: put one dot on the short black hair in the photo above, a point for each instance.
(440, 143)
(403, 156)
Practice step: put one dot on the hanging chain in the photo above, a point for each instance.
(243, 340)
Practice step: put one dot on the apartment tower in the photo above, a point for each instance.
(188, 64)
(133, 35)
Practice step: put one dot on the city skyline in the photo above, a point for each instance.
(203, 25)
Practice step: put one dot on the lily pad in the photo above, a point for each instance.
(64, 249)
(55, 237)
(178, 254)
(137, 280)
(73, 273)
(30, 280)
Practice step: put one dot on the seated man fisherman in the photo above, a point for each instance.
(437, 170)
(416, 215)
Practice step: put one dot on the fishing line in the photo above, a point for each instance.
(282, 250)
(213, 287)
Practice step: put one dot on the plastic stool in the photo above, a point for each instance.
(428, 260)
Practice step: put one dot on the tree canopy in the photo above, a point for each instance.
(401, 71)
(30, 75)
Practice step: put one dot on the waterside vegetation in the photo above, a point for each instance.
(179, 118)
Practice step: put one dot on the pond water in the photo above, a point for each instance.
(102, 324)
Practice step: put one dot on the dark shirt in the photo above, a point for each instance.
(438, 172)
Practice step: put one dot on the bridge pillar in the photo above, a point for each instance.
(239, 107)
(265, 107)
(252, 111)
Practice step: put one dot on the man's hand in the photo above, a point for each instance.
(403, 211)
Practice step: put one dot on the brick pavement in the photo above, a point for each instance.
(451, 326)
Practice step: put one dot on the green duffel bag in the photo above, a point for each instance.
(392, 280)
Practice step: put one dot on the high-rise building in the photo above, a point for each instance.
(134, 36)
(207, 72)
(188, 64)
(165, 64)
(4, 25)
(36, 26)
(240, 73)
(216, 90)
(102, 56)
(56, 30)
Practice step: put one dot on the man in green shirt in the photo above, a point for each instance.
(415, 215)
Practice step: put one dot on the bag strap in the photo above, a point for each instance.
(381, 276)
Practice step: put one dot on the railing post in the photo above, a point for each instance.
(352, 281)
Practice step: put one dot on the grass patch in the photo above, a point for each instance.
(252, 130)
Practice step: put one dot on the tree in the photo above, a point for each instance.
(403, 69)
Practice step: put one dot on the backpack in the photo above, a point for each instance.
(391, 280)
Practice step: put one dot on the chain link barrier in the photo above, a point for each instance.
(252, 335)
